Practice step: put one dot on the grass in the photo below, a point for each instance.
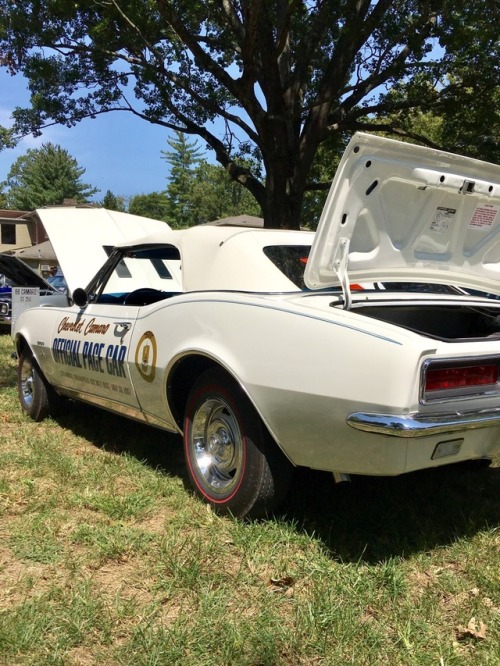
(106, 558)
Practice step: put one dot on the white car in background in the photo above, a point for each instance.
(217, 333)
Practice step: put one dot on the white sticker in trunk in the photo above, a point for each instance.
(484, 216)
(442, 219)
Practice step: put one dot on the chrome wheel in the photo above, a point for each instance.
(217, 447)
(32, 388)
(232, 462)
(26, 383)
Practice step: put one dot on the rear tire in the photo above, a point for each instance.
(32, 388)
(232, 461)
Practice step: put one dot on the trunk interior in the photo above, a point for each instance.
(448, 322)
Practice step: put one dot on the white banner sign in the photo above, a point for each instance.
(24, 298)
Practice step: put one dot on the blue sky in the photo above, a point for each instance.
(118, 151)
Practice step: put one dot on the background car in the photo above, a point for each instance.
(58, 282)
(15, 273)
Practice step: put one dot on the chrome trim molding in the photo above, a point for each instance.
(419, 425)
(100, 401)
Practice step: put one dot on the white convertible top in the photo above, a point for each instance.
(212, 257)
(229, 257)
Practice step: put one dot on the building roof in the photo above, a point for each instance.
(11, 215)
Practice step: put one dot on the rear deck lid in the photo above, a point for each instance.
(397, 212)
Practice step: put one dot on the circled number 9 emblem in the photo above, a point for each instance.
(145, 356)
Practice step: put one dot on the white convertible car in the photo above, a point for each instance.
(382, 357)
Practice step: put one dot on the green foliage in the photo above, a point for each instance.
(470, 103)
(3, 198)
(45, 177)
(112, 202)
(154, 205)
(464, 127)
(7, 138)
(280, 76)
(214, 195)
(183, 158)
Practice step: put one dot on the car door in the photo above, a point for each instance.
(91, 348)
(95, 337)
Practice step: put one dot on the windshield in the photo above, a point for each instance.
(153, 267)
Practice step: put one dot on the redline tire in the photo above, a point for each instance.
(233, 463)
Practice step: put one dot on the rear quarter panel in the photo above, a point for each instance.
(304, 370)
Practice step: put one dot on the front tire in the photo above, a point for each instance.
(232, 461)
(32, 389)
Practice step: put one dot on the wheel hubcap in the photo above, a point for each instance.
(27, 383)
(216, 447)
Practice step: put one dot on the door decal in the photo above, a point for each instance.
(145, 356)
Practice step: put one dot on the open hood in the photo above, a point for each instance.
(83, 237)
(404, 213)
(21, 274)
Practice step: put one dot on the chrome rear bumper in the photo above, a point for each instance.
(419, 425)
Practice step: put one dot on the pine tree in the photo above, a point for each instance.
(183, 159)
(112, 202)
(46, 176)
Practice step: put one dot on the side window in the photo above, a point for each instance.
(152, 270)
(8, 234)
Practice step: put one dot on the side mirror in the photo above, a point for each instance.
(80, 297)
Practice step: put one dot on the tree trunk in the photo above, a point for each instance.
(283, 203)
(284, 168)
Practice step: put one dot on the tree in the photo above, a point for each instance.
(323, 169)
(153, 205)
(112, 202)
(279, 75)
(201, 192)
(214, 195)
(183, 159)
(45, 177)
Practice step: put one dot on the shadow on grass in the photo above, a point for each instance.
(156, 448)
(370, 519)
(375, 518)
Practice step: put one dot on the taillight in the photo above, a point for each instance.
(445, 378)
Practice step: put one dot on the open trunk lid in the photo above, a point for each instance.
(397, 212)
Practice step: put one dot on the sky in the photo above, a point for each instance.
(118, 151)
